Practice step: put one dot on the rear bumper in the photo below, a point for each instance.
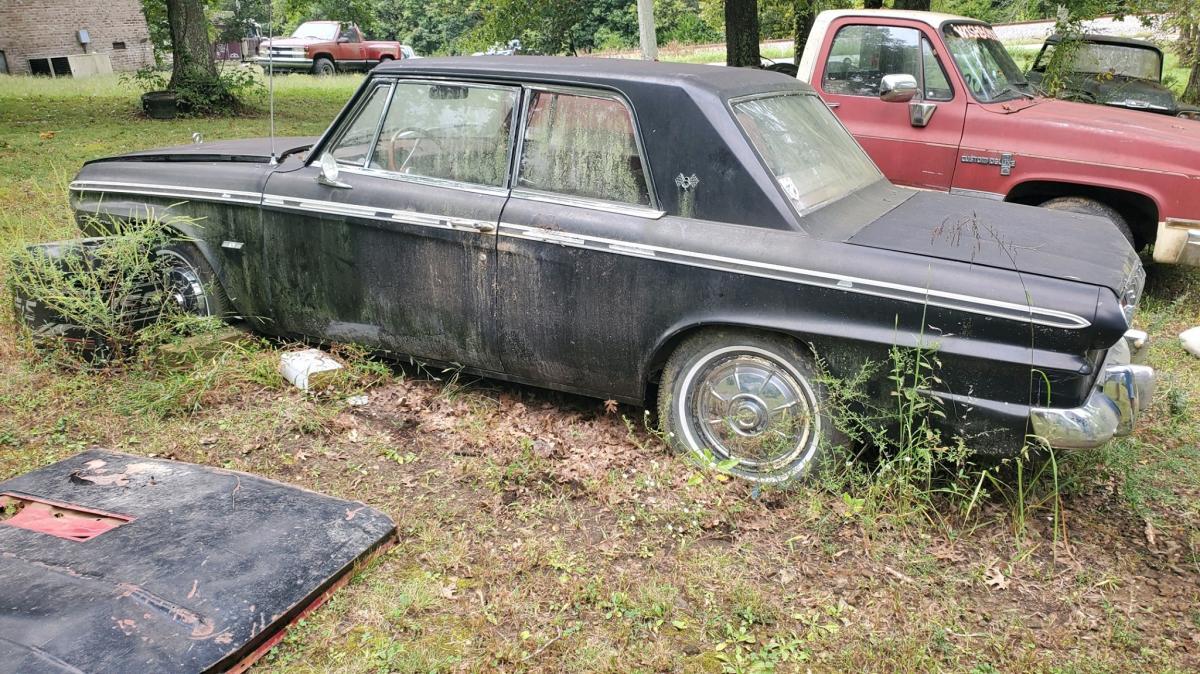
(1178, 242)
(1123, 389)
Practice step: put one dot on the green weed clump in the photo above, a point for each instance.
(106, 295)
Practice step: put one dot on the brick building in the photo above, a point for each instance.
(40, 37)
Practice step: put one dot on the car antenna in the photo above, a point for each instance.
(271, 77)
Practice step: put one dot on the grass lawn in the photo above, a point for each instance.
(540, 533)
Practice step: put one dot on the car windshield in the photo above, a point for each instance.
(813, 158)
(986, 67)
(1136, 62)
(316, 29)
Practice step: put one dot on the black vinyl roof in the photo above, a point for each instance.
(614, 73)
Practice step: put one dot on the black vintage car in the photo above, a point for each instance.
(710, 237)
(1118, 71)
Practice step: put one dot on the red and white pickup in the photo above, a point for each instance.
(939, 104)
(327, 47)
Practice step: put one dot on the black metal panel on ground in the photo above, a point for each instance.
(210, 565)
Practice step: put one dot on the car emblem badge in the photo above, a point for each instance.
(687, 182)
(1005, 161)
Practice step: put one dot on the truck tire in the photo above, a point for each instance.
(1091, 207)
(749, 401)
(323, 67)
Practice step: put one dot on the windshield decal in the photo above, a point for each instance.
(974, 31)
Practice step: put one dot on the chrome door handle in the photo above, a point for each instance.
(484, 227)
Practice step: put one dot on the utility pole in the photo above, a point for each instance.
(649, 38)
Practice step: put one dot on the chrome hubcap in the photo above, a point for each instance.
(753, 410)
(184, 289)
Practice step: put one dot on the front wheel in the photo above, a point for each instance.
(190, 285)
(323, 67)
(749, 402)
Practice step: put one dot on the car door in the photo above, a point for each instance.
(353, 51)
(915, 143)
(397, 252)
(570, 312)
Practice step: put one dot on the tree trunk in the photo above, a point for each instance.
(190, 46)
(1186, 45)
(1191, 94)
(741, 33)
(805, 13)
(872, 4)
(912, 4)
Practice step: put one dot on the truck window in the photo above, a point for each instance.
(936, 83)
(583, 146)
(986, 67)
(457, 132)
(861, 55)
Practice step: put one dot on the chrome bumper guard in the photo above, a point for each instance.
(1124, 388)
(1178, 242)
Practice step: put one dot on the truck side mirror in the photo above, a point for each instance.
(897, 88)
(342, 39)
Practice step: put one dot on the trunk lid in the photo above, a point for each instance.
(1025, 239)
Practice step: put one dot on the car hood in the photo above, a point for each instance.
(1099, 133)
(995, 234)
(253, 150)
(1129, 92)
(293, 41)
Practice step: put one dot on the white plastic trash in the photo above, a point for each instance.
(299, 367)
(1190, 339)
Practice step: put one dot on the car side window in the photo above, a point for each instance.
(447, 131)
(861, 55)
(936, 82)
(354, 143)
(582, 145)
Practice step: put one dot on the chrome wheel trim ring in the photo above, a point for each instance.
(745, 409)
(183, 286)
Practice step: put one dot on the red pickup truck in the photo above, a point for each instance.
(326, 47)
(939, 104)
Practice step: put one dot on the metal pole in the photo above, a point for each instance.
(646, 32)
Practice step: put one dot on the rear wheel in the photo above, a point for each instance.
(323, 67)
(1091, 207)
(751, 402)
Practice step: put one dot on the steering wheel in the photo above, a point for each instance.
(410, 133)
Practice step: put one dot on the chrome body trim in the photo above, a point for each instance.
(980, 194)
(944, 299)
(425, 180)
(170, 191)
(584, 202)
(1121, 393)
(939, 298)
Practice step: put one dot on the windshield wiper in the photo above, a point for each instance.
(1012, 89)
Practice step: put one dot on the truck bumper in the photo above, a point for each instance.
(289, 63)
(1178, 242)
(1123, 389)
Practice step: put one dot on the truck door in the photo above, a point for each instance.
(914, 143)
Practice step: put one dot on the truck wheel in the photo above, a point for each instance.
(323, 67)
(749, 401)
(1091, 207)
(190, 283)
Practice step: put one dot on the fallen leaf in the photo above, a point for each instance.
(995, 579)
(47, 135)
(610, 406)
(1149, 533)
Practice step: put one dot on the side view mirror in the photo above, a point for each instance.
(897, 88)
(343, 39)
(329, 172)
